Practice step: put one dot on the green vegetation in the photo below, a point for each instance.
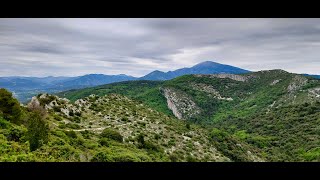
(273, 114)
(260, 116)
(111, 134)
(9, 107)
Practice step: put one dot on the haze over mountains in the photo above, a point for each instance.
(207, 67)
(269, 115)
(25, 87)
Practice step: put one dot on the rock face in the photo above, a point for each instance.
(33, 103)
(315, 92)
(181, 105)
(297, 83)
(275, 82)
(235, 77)
(52, 102)
(210, 90)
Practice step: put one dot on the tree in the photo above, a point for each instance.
(111, 134)
(9, 107)
(38, 130)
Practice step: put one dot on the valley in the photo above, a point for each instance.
(269, 115)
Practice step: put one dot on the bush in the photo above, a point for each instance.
(71, 113)
(77, 119)
(73, 126)
(191, 159)
(71, 134)
(126, 158)
(46, 100)
(157, 136)
(188, 126)
(104, 142)
(173, 157)
(77, 113)
(124, 119)
(38, 130)
(111, 134)
(16, 134)
(57, 117)
(101, 157)
(3, 123)
(86, 134)
(57, 108)
(9, 107)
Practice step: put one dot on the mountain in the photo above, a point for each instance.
(111, 128)
(94, 80)
(26, 87)
(312, 75)
(273, 110)
(207, 67)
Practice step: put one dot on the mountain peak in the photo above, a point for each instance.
(206, 67)
(206, 63)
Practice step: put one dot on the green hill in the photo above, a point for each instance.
(111, 128)
(274, 111)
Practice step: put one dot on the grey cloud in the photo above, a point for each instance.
(41, 47)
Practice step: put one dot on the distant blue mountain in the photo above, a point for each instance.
(26, 87)
(312, 75)
(207, 67)
(94, 80)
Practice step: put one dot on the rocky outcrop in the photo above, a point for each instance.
(315, 92)
(275, 82)
(34, 103)
(210, 90)
(179, 103)
(297, 83)
(235, 77)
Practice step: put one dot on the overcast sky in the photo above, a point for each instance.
(70, 47)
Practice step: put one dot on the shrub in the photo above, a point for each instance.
(191, 159)
(124, 119)
(101, 157)
(57, 117)
(3, 123)
(104, 142)
(38, 130)
(86, 134)
(77, 119)
(73, 126)
(157, 136)
(57, 108)
(71, 113)
(9, 107)
(188, 126)
(171, 142)
(46, 100)
(111, 134)
(16, 134)
(126, 158)
(173, 157)
(77, 113)
(71, 134)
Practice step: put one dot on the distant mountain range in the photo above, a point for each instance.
(312, 75)
(207, 67)
(26, 87)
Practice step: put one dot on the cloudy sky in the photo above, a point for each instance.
(70, 47)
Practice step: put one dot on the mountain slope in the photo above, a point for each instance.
(273, 110)
(313, 75)
(111, 128)
(26, 87)
(94, 80)
(206, 67)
